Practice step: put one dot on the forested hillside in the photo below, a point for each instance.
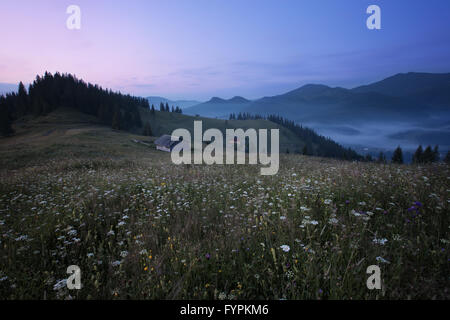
(125, 112)
(50, 92)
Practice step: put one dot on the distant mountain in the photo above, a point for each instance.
(155, 100)
(218, 107)
(7, 88)
(68, 100)
(238, 99)
(326, 105)
(378, 112)
(431, 88)
(382, 114)
(407, 84)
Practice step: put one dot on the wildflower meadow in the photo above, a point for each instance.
(142, 229)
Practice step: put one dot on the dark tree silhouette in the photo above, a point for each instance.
(428, 155)
(418, 155)
(436, 155)
(447, 158)
(316, 144)
(117, 119)
(51, 92)
(324, 147)
(147, 129)
(5, 120)
(381, 158)
(397, 157)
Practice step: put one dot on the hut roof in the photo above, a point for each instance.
(166, 141)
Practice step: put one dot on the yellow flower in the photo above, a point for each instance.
(146, 268)
(207, 285)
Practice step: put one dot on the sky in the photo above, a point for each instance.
(196, 49)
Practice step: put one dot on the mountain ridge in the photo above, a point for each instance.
(156, 101)
(405, 101)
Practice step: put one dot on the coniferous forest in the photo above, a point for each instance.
(50, 92)
(324, 147)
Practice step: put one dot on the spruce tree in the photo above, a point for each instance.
(305, 150)
(418, 155)
(436, 154)
(5, 119)
(127, 121)
(116, 120)
(447, 158)
(22, 100)
(147, 129)
(428, 155)
(397, 157)
(381, 158)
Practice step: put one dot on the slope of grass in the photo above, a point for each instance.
(140, 227)
(66, 133)
(167, 122)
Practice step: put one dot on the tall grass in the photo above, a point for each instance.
(159, 231)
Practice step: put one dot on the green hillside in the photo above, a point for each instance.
(132, 114)
(140, 227)
(166, 122)
(67, 133)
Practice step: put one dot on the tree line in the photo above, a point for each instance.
(165, 108)
(245, 116)
(315, 144)
(326, 147)
(50, 92)
(427, 156)
(421, 156)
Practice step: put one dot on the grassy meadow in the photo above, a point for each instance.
(140, 227)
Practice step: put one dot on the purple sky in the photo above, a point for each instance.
(202, 48)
